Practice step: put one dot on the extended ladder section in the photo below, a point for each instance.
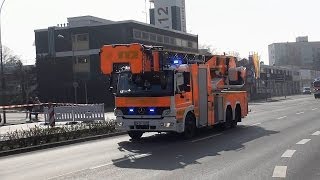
(138, 58)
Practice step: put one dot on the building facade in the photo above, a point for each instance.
(68, 59)
(270, 81)
(301, 53)
(307, 77)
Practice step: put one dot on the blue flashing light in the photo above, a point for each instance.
(176, 62)
(152, 110)
(131, 110)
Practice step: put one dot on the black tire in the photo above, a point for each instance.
(190, 127)
(135, 135)
(229, 120)
(237, 118)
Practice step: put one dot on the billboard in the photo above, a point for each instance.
(170, 14)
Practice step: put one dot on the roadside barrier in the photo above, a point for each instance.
(62, 112)
(74, 113)
(51, 115)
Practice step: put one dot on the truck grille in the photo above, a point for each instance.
(142, 110)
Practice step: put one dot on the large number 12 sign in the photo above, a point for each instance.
(163, 17)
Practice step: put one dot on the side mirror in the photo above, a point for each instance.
(187, 88)
(182, 94)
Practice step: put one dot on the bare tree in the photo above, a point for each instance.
(9, 58)
(207, 49)
(14, 76)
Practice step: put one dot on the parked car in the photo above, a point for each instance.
(306, 90)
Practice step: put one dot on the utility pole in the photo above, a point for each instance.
(3, 82)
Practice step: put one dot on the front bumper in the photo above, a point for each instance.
(166, 124)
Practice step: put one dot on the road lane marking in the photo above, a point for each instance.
(303, 141)
(317, 133)
(299, 113)
(314, 109)
(205, 138)
(282, 117)
(280, 172)
(288, 154)
(255, 124)
(132, 158)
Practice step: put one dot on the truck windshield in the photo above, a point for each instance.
(316, 84)
(147, 84)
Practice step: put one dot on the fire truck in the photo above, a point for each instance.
(316, 88)
(158, 90)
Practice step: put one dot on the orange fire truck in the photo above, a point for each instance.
(157, 90)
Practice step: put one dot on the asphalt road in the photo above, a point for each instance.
(278, 139)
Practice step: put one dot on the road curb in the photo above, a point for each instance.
(57, 144)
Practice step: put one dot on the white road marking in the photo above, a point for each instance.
(255, 124)
(132, 158)
(280, 172)
(314, 109)
(317, 133)
(303, 141)
(288, 154)
(299, 113)
(208, 137)
(282, 117)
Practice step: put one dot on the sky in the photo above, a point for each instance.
(241, 26)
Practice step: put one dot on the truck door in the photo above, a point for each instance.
(203, 97)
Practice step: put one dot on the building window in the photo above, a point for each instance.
(153, 37)
(137, 34)
(80, 42)
(184, 43)
(178, 42)
(82, 64)
(82, 59)
(172, 41)
(189, 44)
(145, 35)
(160, 38)
(166, 40)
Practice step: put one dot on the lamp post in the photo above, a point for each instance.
(75, 83)
(3, 82)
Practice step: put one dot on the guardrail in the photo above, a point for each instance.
(74, 113)
(66, 112)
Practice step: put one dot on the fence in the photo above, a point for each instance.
(85, 113)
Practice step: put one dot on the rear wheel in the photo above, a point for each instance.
(135, 135)
(189, 127)
(237, 118)
(229, 120)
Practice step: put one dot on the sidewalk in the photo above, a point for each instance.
(277, 98)
(27, 125)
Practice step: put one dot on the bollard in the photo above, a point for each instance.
(51, 115)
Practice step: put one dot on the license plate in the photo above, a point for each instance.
(141, 123)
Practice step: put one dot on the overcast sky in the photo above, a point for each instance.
(227, 25)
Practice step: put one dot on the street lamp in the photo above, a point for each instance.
(76, 84)
(3, 82)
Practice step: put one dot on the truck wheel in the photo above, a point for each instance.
(189, 127)
(237, 118)
(135, 135)
(228, 123)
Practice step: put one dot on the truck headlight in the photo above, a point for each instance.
(167, 125)
(120, 124)
(118, 112)
(166, 112)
